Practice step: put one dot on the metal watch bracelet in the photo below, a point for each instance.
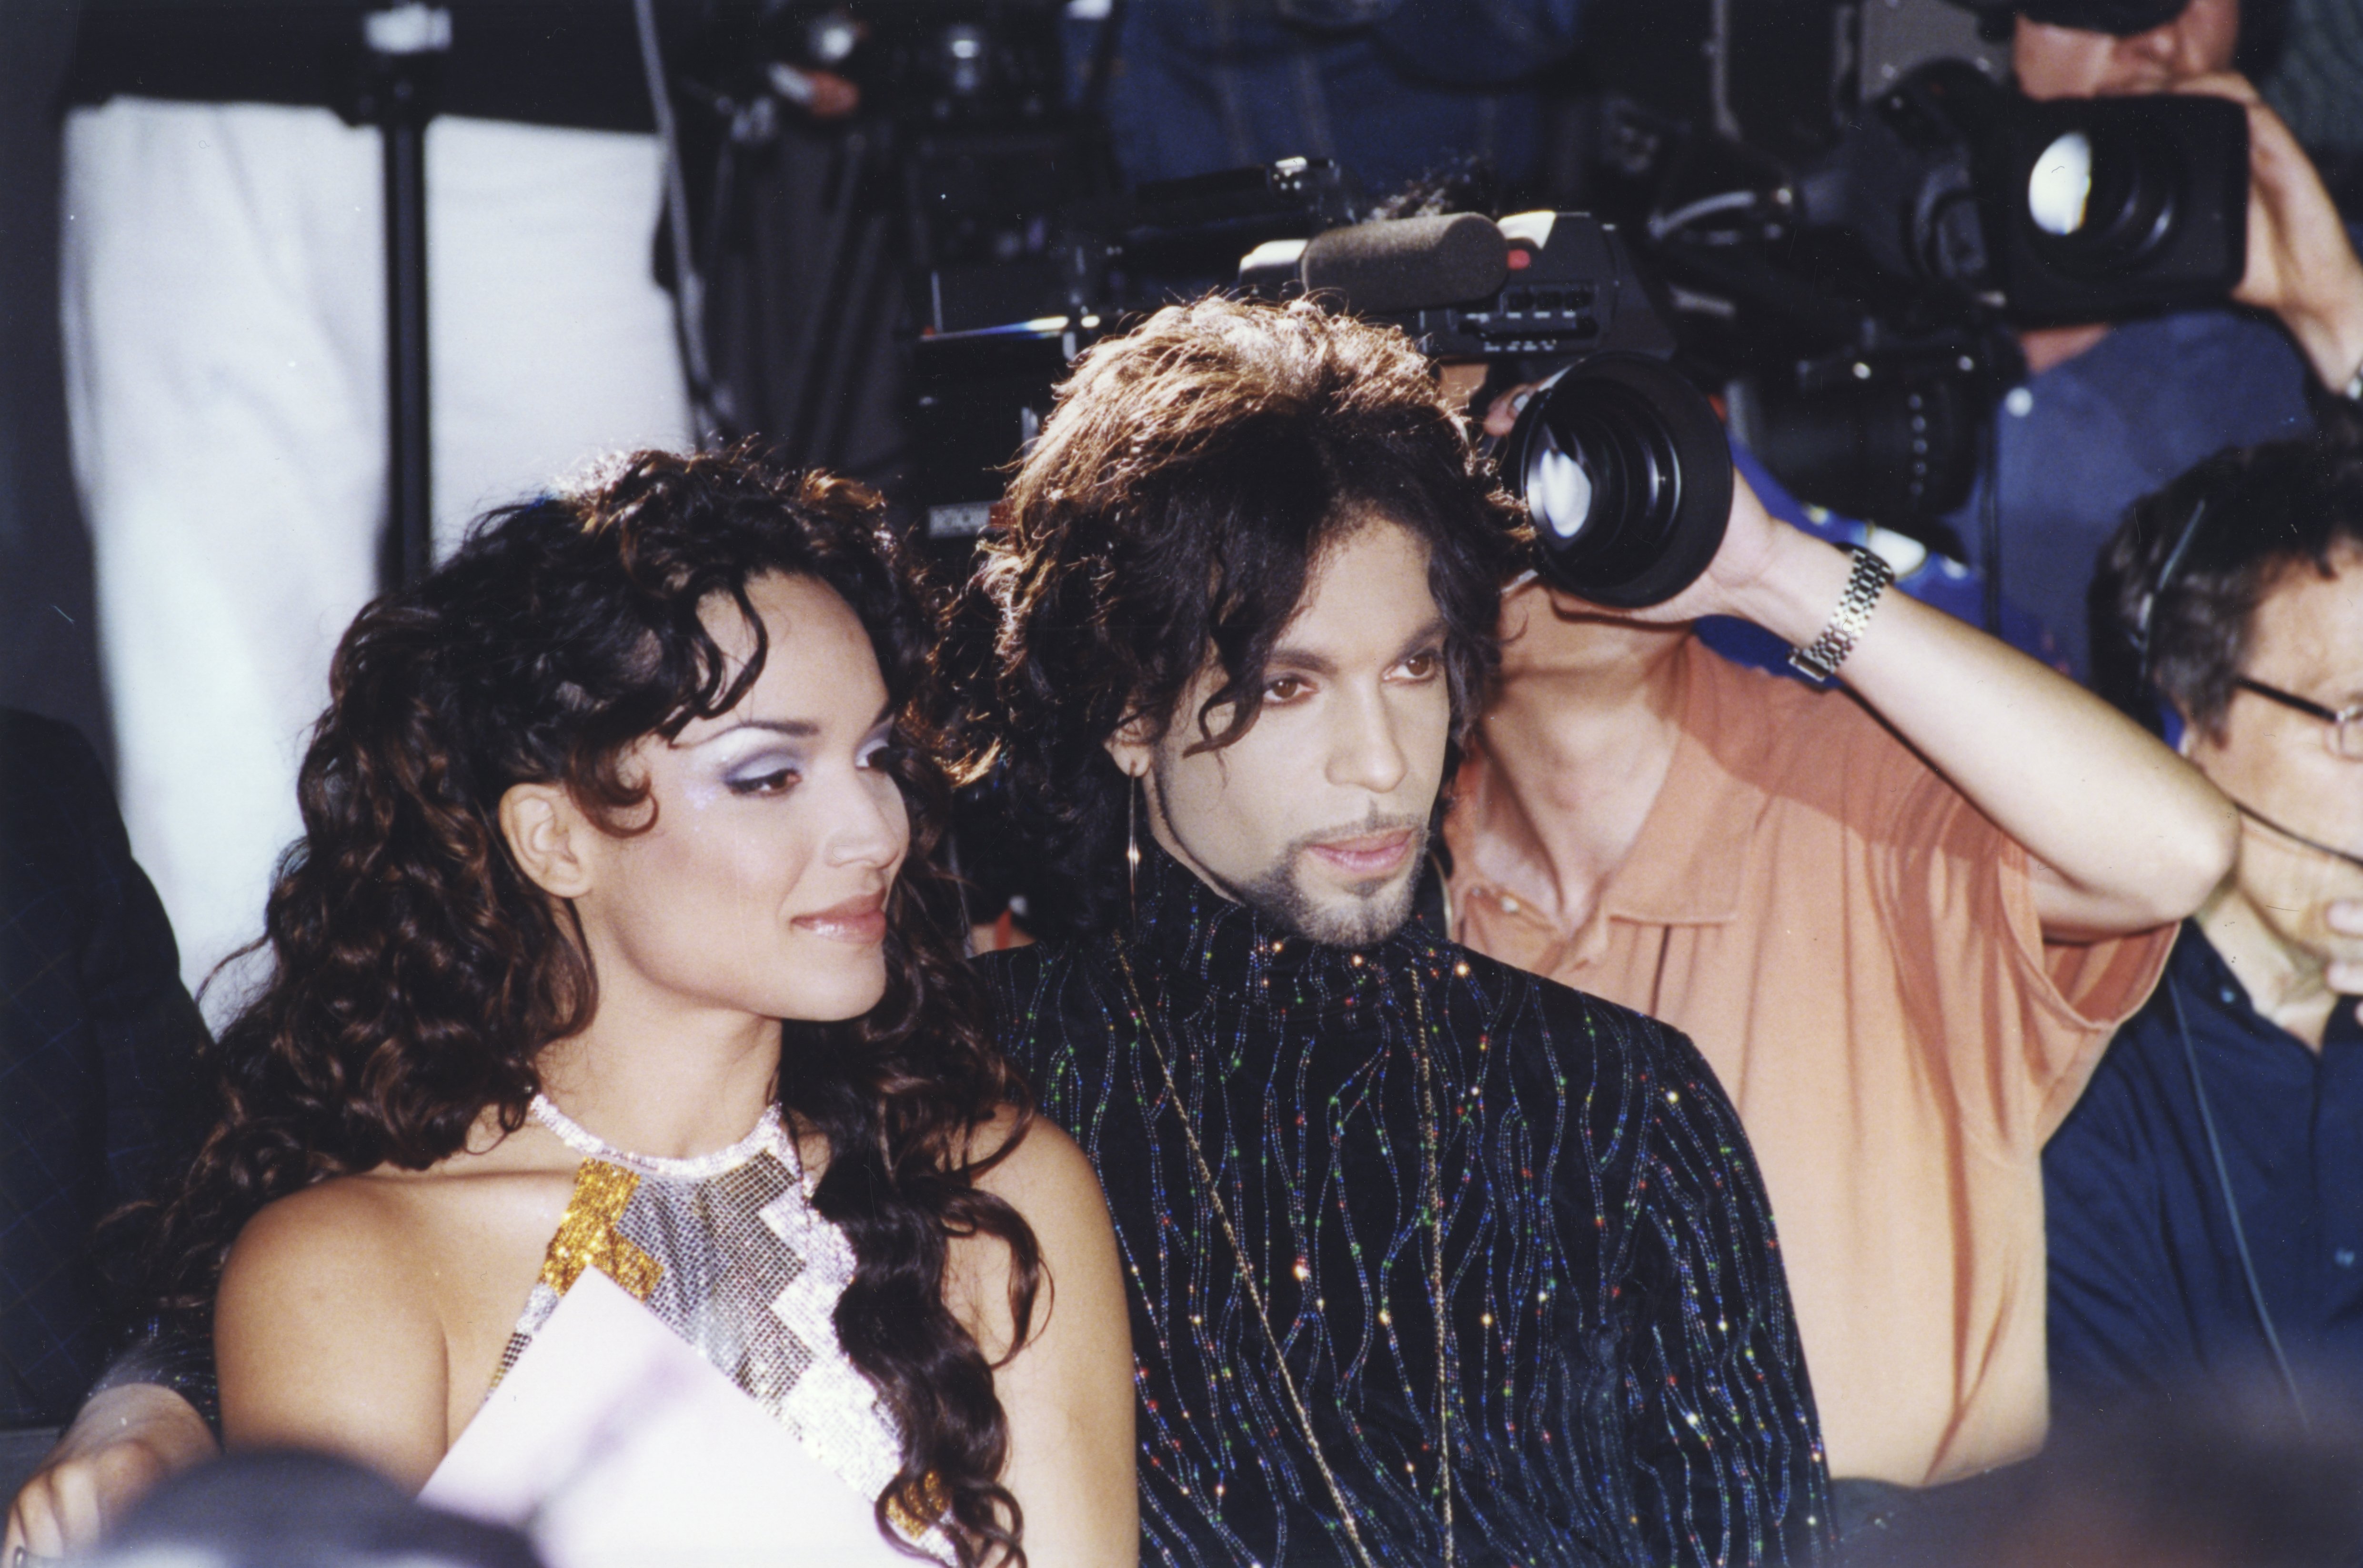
(1821, 657)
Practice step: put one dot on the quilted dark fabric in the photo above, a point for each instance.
(96, 1032)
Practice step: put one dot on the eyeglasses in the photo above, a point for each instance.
(2346, 724)
(2294, 837)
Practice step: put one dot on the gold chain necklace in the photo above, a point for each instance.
(1432, 1196)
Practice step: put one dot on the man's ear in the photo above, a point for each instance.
(547, 834)
(1131, 748)
(2180, 733)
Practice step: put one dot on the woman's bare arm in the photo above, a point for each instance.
(1068, 1393)
(327, 1338)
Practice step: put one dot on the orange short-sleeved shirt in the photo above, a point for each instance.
(1855, 949)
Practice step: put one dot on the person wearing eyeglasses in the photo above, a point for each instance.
(2204, 1200)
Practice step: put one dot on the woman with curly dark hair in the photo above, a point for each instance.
(612, 950)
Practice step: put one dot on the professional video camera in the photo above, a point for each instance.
(1851, 210)
(1622, 460)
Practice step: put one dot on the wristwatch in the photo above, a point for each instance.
(1821, 657)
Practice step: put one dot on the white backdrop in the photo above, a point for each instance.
(224, 317)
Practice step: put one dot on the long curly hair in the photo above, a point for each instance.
(1175, 505)
(417, 973)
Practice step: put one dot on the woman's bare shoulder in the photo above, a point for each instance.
(391, 1223)
(1042, 1174)
(1043, 1170)
(325, 1333)
(346, 1222)
(362, 1314)
(1067, 1391)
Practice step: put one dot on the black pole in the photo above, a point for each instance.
(410, 467)
(406, 42)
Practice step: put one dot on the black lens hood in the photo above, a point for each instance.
(1634, 561)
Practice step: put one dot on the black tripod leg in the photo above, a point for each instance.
(812, 330)
(839, 391)
(410, 453)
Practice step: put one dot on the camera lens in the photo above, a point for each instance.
(1900, 449)
(2101, 200)
(1625, 471)
(1559, 489)
(2059, 188)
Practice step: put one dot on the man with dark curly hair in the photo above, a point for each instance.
(1431, 1260)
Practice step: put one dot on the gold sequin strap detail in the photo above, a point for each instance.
(916, 1508)
(587, 1237)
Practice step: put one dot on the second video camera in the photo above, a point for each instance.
(2061, 211)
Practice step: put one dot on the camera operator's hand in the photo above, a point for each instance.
(1502, 416)
(123, 1442)
(2301, 265)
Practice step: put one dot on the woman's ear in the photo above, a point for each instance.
(547, 833)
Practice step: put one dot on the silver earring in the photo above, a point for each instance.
(1132, 843)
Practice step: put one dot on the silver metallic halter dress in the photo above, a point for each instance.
(729, 1252)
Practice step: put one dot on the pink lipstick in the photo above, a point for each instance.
(860, 921)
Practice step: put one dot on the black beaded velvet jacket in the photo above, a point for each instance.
(1622, 1377)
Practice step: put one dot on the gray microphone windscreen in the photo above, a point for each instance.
(1409, 263)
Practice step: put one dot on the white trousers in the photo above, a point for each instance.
(224, 311)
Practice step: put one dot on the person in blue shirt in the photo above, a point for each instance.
(1933, 579)
(2204, 1200)
(2108, 413)
(1395, 90)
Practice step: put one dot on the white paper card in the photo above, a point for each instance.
(614, 1444)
